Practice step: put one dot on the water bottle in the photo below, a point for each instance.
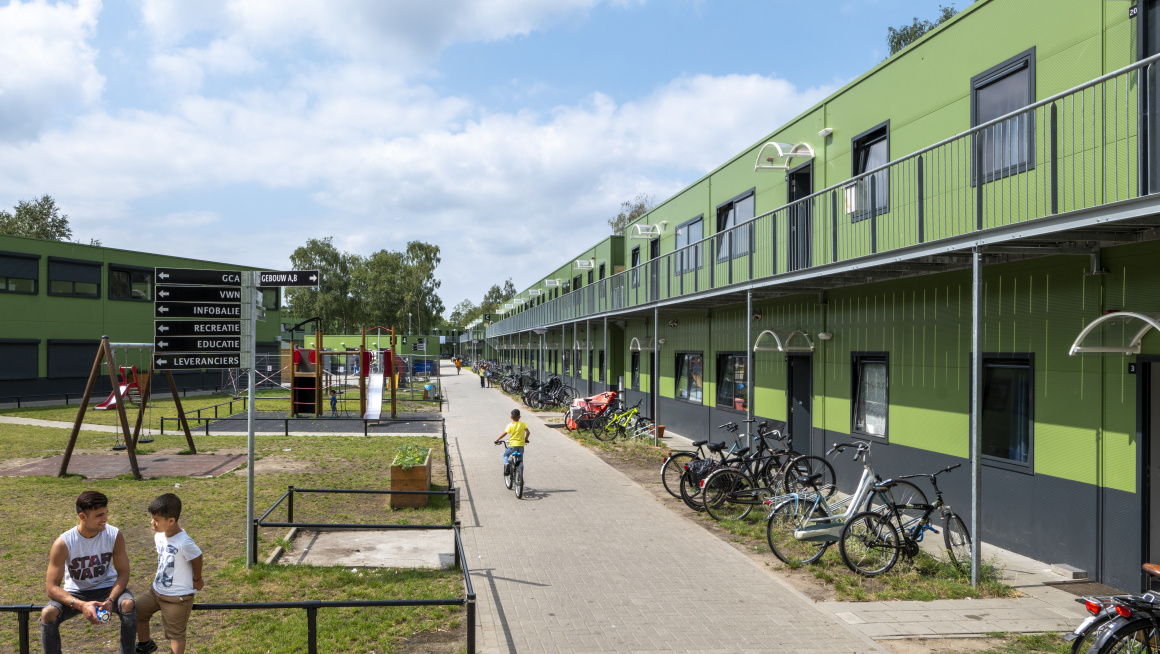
(103, 615)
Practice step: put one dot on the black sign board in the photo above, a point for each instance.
(1133, 11)
(198, 276)
(170, 293)
(197, 328)
(1131, 368)
(198, 344)
(197, 310)
(487, 317)
(195, 361)
(289, 278)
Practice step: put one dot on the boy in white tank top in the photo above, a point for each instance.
(88, 569)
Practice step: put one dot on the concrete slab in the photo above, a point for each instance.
(107, 466)
(391, 548)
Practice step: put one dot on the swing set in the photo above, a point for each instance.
(130, 380)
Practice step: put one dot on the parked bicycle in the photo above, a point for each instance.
(731, 492)
(872, 541)
(1135, 628)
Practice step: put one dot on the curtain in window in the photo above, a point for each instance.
(870, 405)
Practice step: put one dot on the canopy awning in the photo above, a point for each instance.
(780, 156)
(1142, 323)
(783, 341)
(641, 345)
(580, 344)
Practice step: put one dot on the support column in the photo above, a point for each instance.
(588, 355)
(654, 380)
(976, 397)
(607, 359)
(749, 360)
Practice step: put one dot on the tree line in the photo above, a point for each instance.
(39, 218)
(376, 290)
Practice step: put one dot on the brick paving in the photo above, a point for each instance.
(590, 562)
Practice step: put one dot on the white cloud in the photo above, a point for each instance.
(46, 63)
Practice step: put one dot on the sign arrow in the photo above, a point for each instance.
(162, 293)
(163, 275)
(313, 278)
(162, 309)
(162, 344)
(163, 328)
(162, 362)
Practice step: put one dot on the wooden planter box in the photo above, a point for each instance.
(415, 479)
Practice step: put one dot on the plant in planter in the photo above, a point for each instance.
(411, 471)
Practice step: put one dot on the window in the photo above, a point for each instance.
(1007, 148)
(601, 368)
(577, 282)
(69, 358)
(690, 378)
(601, 271)
(590, 273)
(20, 356)
(635, 281)
(130, 283)
(271, 298)
(634, 379)
(74, 277)
(1008, 416)
(730, 214)
(871, 150)
(871, 390)
(19, 272)
(566, 360)
(688, 234)
(731, 390)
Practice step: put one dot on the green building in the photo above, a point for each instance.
(57, 299)
(823, 279)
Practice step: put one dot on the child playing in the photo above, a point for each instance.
(177, 580)
(333, 403)
(517, 435)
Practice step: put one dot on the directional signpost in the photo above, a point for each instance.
(289, 278)
(212, 296)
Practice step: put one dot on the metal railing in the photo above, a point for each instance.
(1076, 150)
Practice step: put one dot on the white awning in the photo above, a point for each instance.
(783, 341)
(647, 232)
(641, 345)
(581, 344)
(780, 156)
(1133, 322)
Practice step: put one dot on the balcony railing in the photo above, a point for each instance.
(1075, 150)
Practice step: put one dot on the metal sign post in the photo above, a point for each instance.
(251, 296)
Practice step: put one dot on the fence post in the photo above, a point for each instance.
(471, 622)
(22, 618)
(833, 226)
(253, 553)
(873, 215)
(1054, 160)
(456, 530)
(290, 507)
(921, 208)
(312, 629)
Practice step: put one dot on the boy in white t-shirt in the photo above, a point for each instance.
(177, 580)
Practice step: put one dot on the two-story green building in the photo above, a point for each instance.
(823, 279)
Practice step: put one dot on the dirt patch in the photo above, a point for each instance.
(940, 645)
(1082, 588)
(20, 461)
(452, 641)
(277, 464)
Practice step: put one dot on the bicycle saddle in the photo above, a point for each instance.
(741, 452)
(716, 447)
(699, 443)
(886, 485)
(809, 479)
(1152, 569)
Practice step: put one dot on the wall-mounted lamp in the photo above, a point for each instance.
(757, 315)
(661, 341)
(672, 323)
(825, 132)
(825, 336)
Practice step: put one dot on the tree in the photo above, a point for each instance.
(458, 317)
(630, 210)
(897, 39)
(420, 261)
(38, 219)
(333, 302)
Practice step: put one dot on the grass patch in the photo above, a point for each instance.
(214, 516)
(1030, 644)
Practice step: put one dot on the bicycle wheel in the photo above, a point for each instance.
(958, 541)
(672, 470)
(507, 475)
(519, 482)
(869, 543)
(728, 495)
(1090, 633)
(601, 428)
(1135, 637)
(903, 493)
(785, 518)
(690, 492)
(771, 473)
(809, 474)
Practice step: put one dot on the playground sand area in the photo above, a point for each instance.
(278, 422)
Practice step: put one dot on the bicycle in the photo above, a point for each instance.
(730, 493)
(1133, 629)
(801, 525)
(871, 541)
(618, 423)
(513, 472)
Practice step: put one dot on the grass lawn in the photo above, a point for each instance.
(40, 508)
(924, 578)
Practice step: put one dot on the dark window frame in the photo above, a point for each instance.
(634, 262)
(858, 145)
(118, 267)
(99, 265)
(722, 361)
(10, 369)
(601, 272)
(1023, 61)
(692, 247)
(35, 280)
(856, 361)
(722, 224)
(577, 282)
(93, 343)
(678, 356)
(634, 371)
(1018, 360)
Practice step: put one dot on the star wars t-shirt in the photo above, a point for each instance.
(174, 570)
(90, 560)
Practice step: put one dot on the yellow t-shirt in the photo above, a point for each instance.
(517, 433)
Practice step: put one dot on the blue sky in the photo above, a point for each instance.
(233, 130)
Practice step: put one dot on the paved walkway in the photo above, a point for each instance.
(590, 562)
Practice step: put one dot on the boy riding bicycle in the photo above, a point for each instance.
(517, 435)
